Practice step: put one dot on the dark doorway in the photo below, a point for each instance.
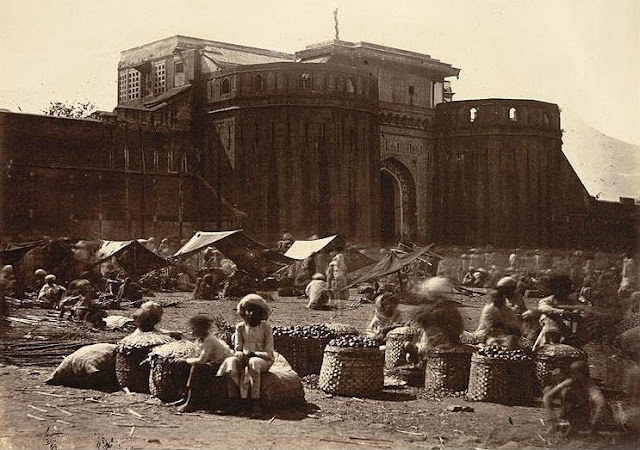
(390, 208)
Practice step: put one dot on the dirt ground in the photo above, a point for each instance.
(35, 415)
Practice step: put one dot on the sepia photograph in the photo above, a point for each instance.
(323, 224)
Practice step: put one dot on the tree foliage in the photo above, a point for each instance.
(75, 110)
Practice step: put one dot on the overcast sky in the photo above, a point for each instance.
(582, 54)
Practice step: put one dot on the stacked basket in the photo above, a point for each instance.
(448, 370)
(555, 356)
(132, 368)
(352, 367)
(395, 350)
(169, 371)
(501, 376)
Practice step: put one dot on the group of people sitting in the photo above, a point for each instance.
(242, 366)
(505, 321)
(82, 300)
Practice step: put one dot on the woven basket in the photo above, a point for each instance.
(554, 356)
(132, 350)
(395, 352)
(315, 354)
(448, 370)
(304, 354)
(488, 379)
(294, 349)
(169, 372)
(498, 380)
(522, 382)
(352, 371)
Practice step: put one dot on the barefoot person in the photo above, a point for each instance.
(580, 401)
(253, 353)
(213, 350)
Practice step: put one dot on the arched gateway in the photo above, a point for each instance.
(398, 202)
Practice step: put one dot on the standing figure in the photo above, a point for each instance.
(337, 277)
(253, 353)
(628, 276)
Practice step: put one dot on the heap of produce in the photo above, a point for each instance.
(497, 352)
(316, 331)
(354, 341)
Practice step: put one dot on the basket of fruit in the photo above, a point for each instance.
(448, 369)
(303, 346)
(352, 366)
(501, 376)
(395, 351)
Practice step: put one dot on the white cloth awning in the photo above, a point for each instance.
(303, 249)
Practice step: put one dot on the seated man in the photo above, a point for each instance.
(207, 286)
(554, 329)
(318, 292)
(130, 292)
(51, 293)
(580, 400)
(386, 317)
(499, 324)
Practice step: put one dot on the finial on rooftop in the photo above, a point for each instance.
(335, 19)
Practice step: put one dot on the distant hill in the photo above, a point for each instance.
(609, 168)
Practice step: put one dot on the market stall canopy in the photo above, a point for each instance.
(302, 249)
(391, 263)
(250, 256)
(13, 253)
(132, 256)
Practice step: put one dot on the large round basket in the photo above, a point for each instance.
(394, 354)
(448, 370)
(132, 350)
(352, 371)
(555, 356)
(294, 349)
(498, 380)
(169, 371)
(488, 379)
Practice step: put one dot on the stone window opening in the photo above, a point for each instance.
(178, 67)
(258, 83)
(473, 114)
(185, 167)
(513, 115)
(305, 81)
(133, 84)
(225, 87)
(170, 161)
(411, 90)
(350, 88)
(159, 77)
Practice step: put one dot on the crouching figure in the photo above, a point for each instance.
(576, 403)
